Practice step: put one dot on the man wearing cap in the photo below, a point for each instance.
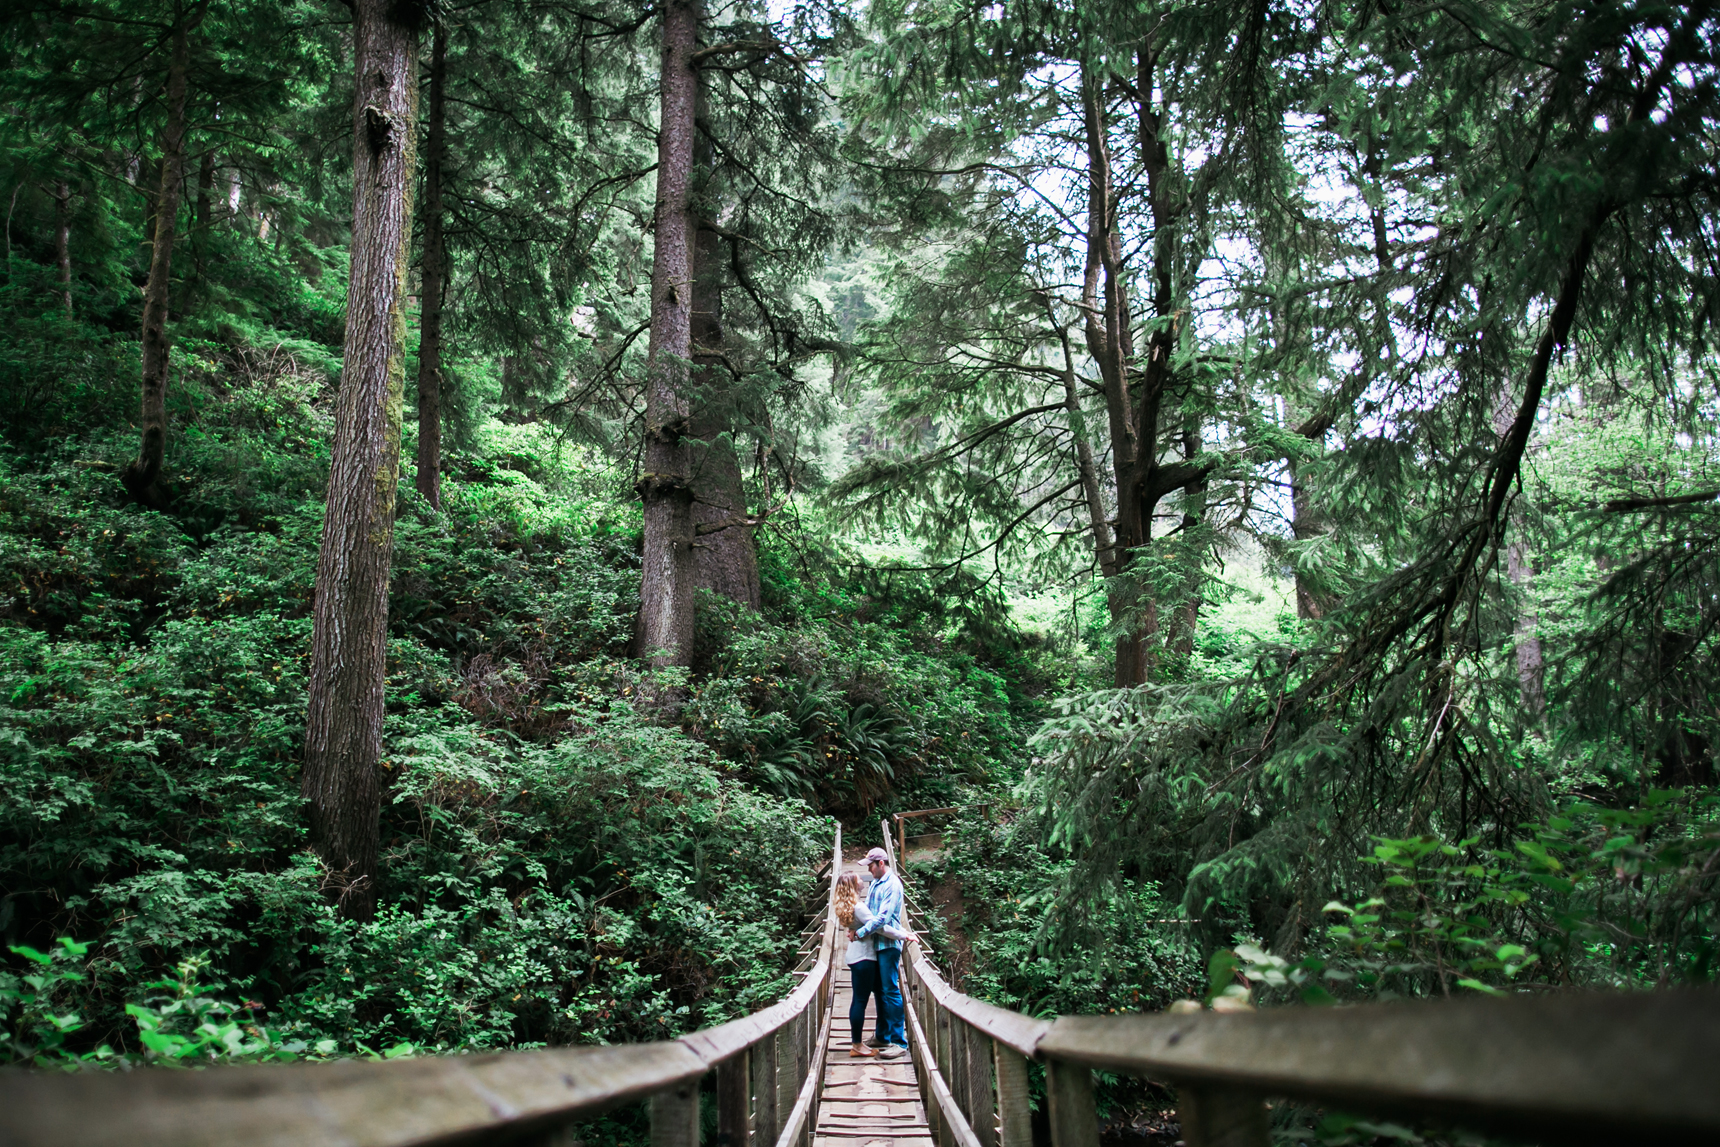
(884, 900)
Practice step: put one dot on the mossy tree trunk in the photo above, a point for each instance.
(63, 240)
(343, 735)
(665, 631)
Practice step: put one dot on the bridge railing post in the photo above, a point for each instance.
(763, 1073)
(956, 1072)
(1014, 1117)
(937, 1035)
(783, 1076)
(675, 1116)
(734, 1100)
(1074, 1118)
(1222, 1117)
(982, 1112)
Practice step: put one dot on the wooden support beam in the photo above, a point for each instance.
(734, 1100)
(1069, 1093)
(1217, 1117)
(1014, 1117)
(675, 1116)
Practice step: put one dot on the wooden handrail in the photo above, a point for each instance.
(1595, 1067)
(1581, 1067)
(768, 1057)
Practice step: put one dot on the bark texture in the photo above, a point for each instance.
(1103, 551)
(725, 556)
(343, 734)
(435, 276)
(665, 631)
(142, 476)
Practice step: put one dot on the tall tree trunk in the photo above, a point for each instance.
(200, 212)
(1305, 520)
(435, 275)
(142, 476)
(1194, 512)
(1527, 651)
(1109, 340)
(665, 631)
(1103, 551)
(725, 561)
(343, 733)
(63, 240)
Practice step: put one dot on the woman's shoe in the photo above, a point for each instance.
(861, 1050)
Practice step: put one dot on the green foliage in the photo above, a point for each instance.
(562, 863)
(1133, 953)
(1593, 897)
(37, 1010)
(848, 711)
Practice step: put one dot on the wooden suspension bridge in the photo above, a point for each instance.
(1572, 1068)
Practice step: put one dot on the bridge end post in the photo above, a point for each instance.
(734, 1100)
(1074, 1120)
(1014, 1116)
(1222, 1117)
(675, 1116)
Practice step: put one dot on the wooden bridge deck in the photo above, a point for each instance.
(865, 1102)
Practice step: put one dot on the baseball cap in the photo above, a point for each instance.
(877, 854)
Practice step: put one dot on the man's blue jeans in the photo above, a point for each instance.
(892, 1024)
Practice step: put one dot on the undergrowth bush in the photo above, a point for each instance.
(574, 849)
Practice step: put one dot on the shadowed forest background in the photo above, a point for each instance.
(484, 483)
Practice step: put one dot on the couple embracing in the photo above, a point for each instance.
(873, 919)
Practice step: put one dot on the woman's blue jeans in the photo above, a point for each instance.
(864, 977)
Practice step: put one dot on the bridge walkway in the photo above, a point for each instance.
(866, 1102)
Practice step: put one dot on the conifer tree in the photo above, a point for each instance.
(343, 733)
(666, 591)
(142, 476)
(434, 278)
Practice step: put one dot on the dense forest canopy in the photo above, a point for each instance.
(484, 483)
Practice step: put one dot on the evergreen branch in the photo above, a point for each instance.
(1625, 505)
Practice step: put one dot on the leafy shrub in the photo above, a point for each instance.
(1595, 896)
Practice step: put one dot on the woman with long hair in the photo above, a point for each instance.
(852, 914)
